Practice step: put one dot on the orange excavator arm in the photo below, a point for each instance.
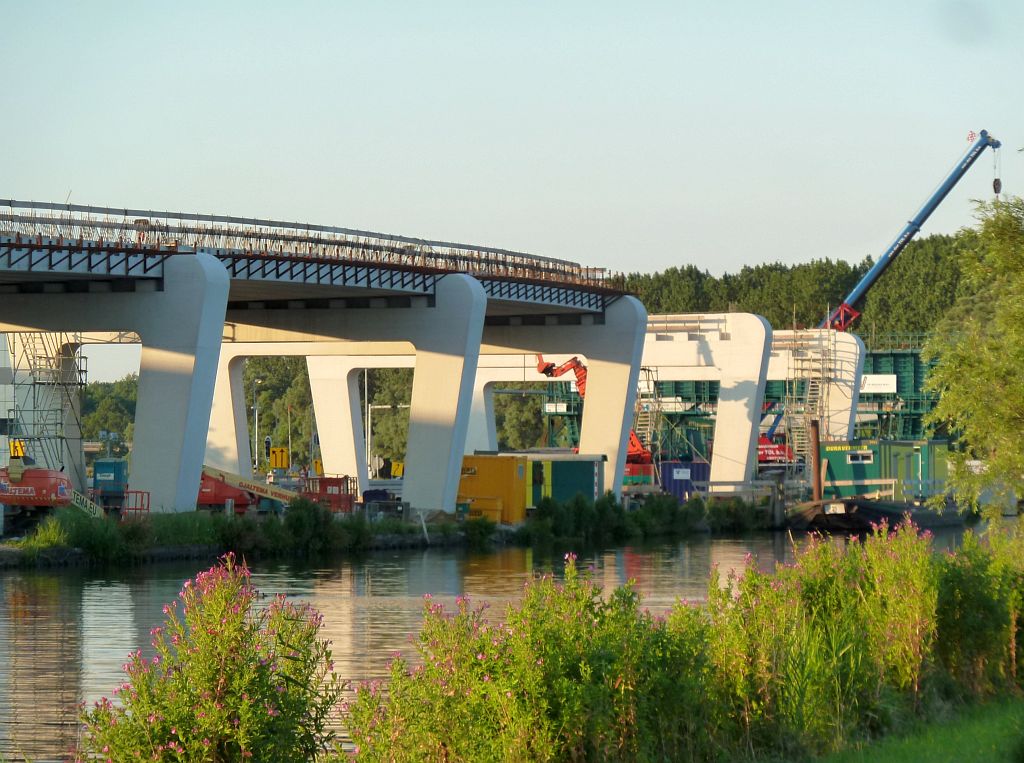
(636, 452)
(573, 364)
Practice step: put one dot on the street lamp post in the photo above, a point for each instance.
(255, 428)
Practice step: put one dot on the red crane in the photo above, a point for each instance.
(636, 452)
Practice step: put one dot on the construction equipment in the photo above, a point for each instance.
(841, 318)
(219, 482)
(636, 452)
(771, 452)
(218, 489)
(29, 493)
(334, 493)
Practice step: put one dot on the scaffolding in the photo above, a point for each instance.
(810, 375)
(41, 394)
(647, 418)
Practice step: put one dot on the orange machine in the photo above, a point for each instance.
(636, 452)
(26, 493)
(34, 487)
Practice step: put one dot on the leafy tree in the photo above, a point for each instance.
(110, 407)
(784, 294)
(390, 387)
(518, 419)
(918, 287)
(980, 351)
(281, 388)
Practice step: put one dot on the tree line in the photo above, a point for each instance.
(911, 295)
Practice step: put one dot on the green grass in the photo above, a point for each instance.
(983, 734)
(49, 534)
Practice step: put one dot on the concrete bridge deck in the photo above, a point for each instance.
(57, 247)
(192, 285)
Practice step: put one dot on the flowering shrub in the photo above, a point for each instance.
(898, 593)
(838, 646)
(229, 681)
(568, 675)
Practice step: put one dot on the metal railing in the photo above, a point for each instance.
(147, 229)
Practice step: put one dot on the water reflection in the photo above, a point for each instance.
(65, 635)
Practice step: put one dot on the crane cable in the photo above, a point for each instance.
(997, 170)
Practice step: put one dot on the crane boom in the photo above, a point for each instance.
(252, 486)
(841, 318)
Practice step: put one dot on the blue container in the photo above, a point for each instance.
(678, 477)
(110, 482)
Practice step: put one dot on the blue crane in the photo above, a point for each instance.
(844, 315)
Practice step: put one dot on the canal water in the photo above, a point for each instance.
(65, 634)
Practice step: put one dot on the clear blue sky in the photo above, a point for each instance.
(633, 136)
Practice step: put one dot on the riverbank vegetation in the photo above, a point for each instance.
(854, 641)
(580, 523)
(304, 530)
(308, 530)
(850, 643)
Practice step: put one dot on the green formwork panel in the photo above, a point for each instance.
(690, 391)
(905, 410)
(775, 391)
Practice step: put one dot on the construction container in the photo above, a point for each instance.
(919, 467)
(336, 493)
(679, 478)
(110, 482)
(215, 493)
(851, 468)
(563, 476)
(903, 470)
(494, 486)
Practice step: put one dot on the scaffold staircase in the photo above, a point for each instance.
(812, 369)
(647, 420)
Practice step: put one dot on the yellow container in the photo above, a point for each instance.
(487, 506)
(487, 479)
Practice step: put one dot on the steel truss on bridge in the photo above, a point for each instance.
(56, 256)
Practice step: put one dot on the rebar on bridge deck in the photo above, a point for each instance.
(143, 229)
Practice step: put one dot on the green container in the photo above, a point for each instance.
(920, 467)
(862, 467)
(562, 477)
(571, 477)
(853, 468)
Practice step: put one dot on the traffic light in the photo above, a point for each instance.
(266, 447)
